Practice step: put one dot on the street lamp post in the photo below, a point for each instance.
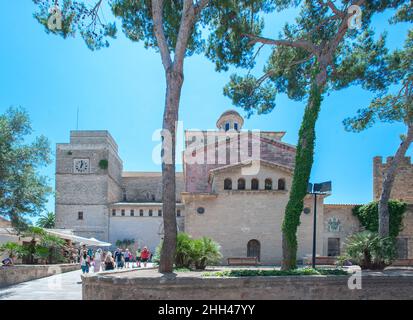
(317, 189)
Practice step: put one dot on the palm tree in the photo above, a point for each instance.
(47, 220)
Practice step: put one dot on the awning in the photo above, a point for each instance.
(77, 239)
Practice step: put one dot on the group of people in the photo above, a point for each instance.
(106, 260)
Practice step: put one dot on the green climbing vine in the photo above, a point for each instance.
(303, 163)
(368, 216)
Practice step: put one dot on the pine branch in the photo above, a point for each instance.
(157, 10)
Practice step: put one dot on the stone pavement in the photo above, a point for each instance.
(66, 286)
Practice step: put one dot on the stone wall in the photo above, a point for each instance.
(407, 232)
(147, 186)
(22, 273)
(107, 287)
(403, 183)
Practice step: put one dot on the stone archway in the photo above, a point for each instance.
(254, 249)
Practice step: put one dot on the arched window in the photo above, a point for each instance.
(241, 184)
(281, 184)
(254, 249)
(228, 184)
(268, 184)
(254, 184)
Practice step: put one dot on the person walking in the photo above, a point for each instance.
(84, 262)
(115, 256)
(119, 258)
(97, 261)
(127, 256)
(145, 254)
(109, 262)
(138, 257)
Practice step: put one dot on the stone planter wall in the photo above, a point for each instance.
(110, 287)
(21, 273)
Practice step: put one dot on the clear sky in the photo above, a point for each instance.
(121, 89)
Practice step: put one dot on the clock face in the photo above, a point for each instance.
(81, 165)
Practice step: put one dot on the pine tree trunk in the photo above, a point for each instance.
(301, 176)
(174, 81)
(390, 174)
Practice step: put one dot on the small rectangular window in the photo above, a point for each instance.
(80, 215)
(114, 212)
(132, 213)
(227, 126)
(178, 213)
(123, 212)
(235, 126)
(159, 213)
(141, 212)
(150, 213)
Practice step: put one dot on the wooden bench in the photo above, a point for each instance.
(403, 263)
(319, 260)
(243, 261)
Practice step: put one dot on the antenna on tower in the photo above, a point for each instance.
(77, 119)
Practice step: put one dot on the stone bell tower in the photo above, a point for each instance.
(230, 120)
(88, 179)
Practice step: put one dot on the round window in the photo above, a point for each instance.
(307, 210)
(200, 210)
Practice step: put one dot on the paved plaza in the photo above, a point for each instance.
(66, 286)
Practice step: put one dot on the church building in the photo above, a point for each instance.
(234, 188)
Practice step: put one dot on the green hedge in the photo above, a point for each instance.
(275, 273)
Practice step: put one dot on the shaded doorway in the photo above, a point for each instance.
(254, 249)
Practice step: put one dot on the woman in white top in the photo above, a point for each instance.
(97, 260)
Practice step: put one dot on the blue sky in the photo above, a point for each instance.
(121, 89)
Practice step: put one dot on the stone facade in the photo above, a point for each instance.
(403, 183)
(98, 202)
(248, 215)
(339, 223)
(405, 237)
(234, 188)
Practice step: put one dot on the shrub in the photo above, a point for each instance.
(157, 255)
(368, 216)
(13, 250)
(125, 243)
(103, 164)
(44, 247)
(184, 250)
(205, 252)
(50, 249)
(193, 253)
(369, 250)
(275, 273)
